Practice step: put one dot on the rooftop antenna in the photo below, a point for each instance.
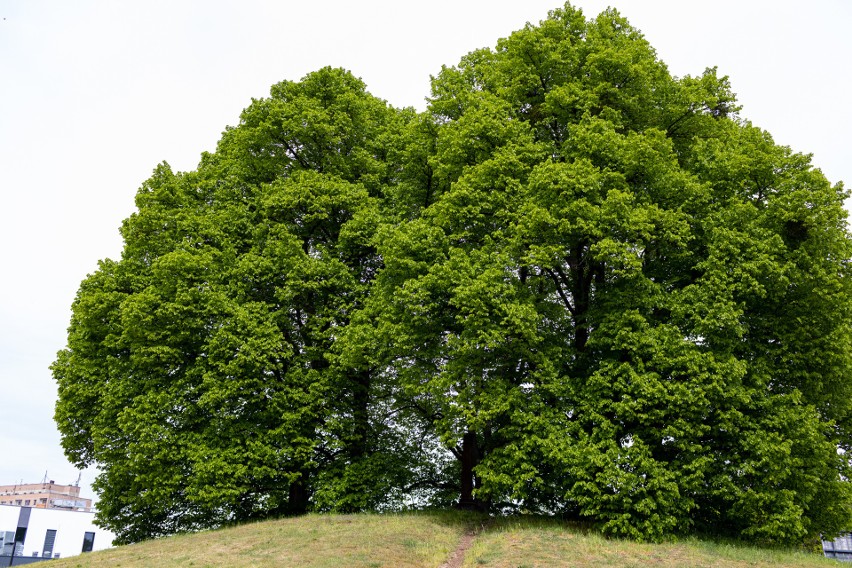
(77, 483)
(43, 481)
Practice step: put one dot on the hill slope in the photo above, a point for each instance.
(425, 541)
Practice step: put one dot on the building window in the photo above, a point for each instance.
(27, 502)
(20, 537)
(49, 540)
(7, 543)
(88, 541)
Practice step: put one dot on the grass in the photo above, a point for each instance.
(545, 543)
(316, 541)
(426, 540)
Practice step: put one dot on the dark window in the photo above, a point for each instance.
(88, 541)
(20, 537)
(49, 540)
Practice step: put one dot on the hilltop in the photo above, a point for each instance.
(428, 540)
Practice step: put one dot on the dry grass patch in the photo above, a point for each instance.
(536, 543)
(315, 541)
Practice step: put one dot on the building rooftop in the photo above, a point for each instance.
(44, 495)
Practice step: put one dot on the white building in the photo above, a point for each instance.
(839, 548)
(34, 533)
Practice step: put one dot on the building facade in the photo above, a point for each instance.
(47, 495)
(29, 534)
(839, 548)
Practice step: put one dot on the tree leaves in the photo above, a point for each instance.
(575, 285)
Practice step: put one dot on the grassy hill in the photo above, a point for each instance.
(426, 540)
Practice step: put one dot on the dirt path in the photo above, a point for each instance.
(457, 557)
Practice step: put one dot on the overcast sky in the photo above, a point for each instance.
(93, 94)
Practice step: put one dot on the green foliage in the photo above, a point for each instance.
(575, 285)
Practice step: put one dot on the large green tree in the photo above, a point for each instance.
(202, 373)
(574, 285)
(629, 302)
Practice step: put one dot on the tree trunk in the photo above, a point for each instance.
(469, 459)
(358, 445)
(298, 498)
(583, 271)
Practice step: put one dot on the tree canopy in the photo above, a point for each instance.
(574, 285)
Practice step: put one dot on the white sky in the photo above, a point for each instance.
(93, 94)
